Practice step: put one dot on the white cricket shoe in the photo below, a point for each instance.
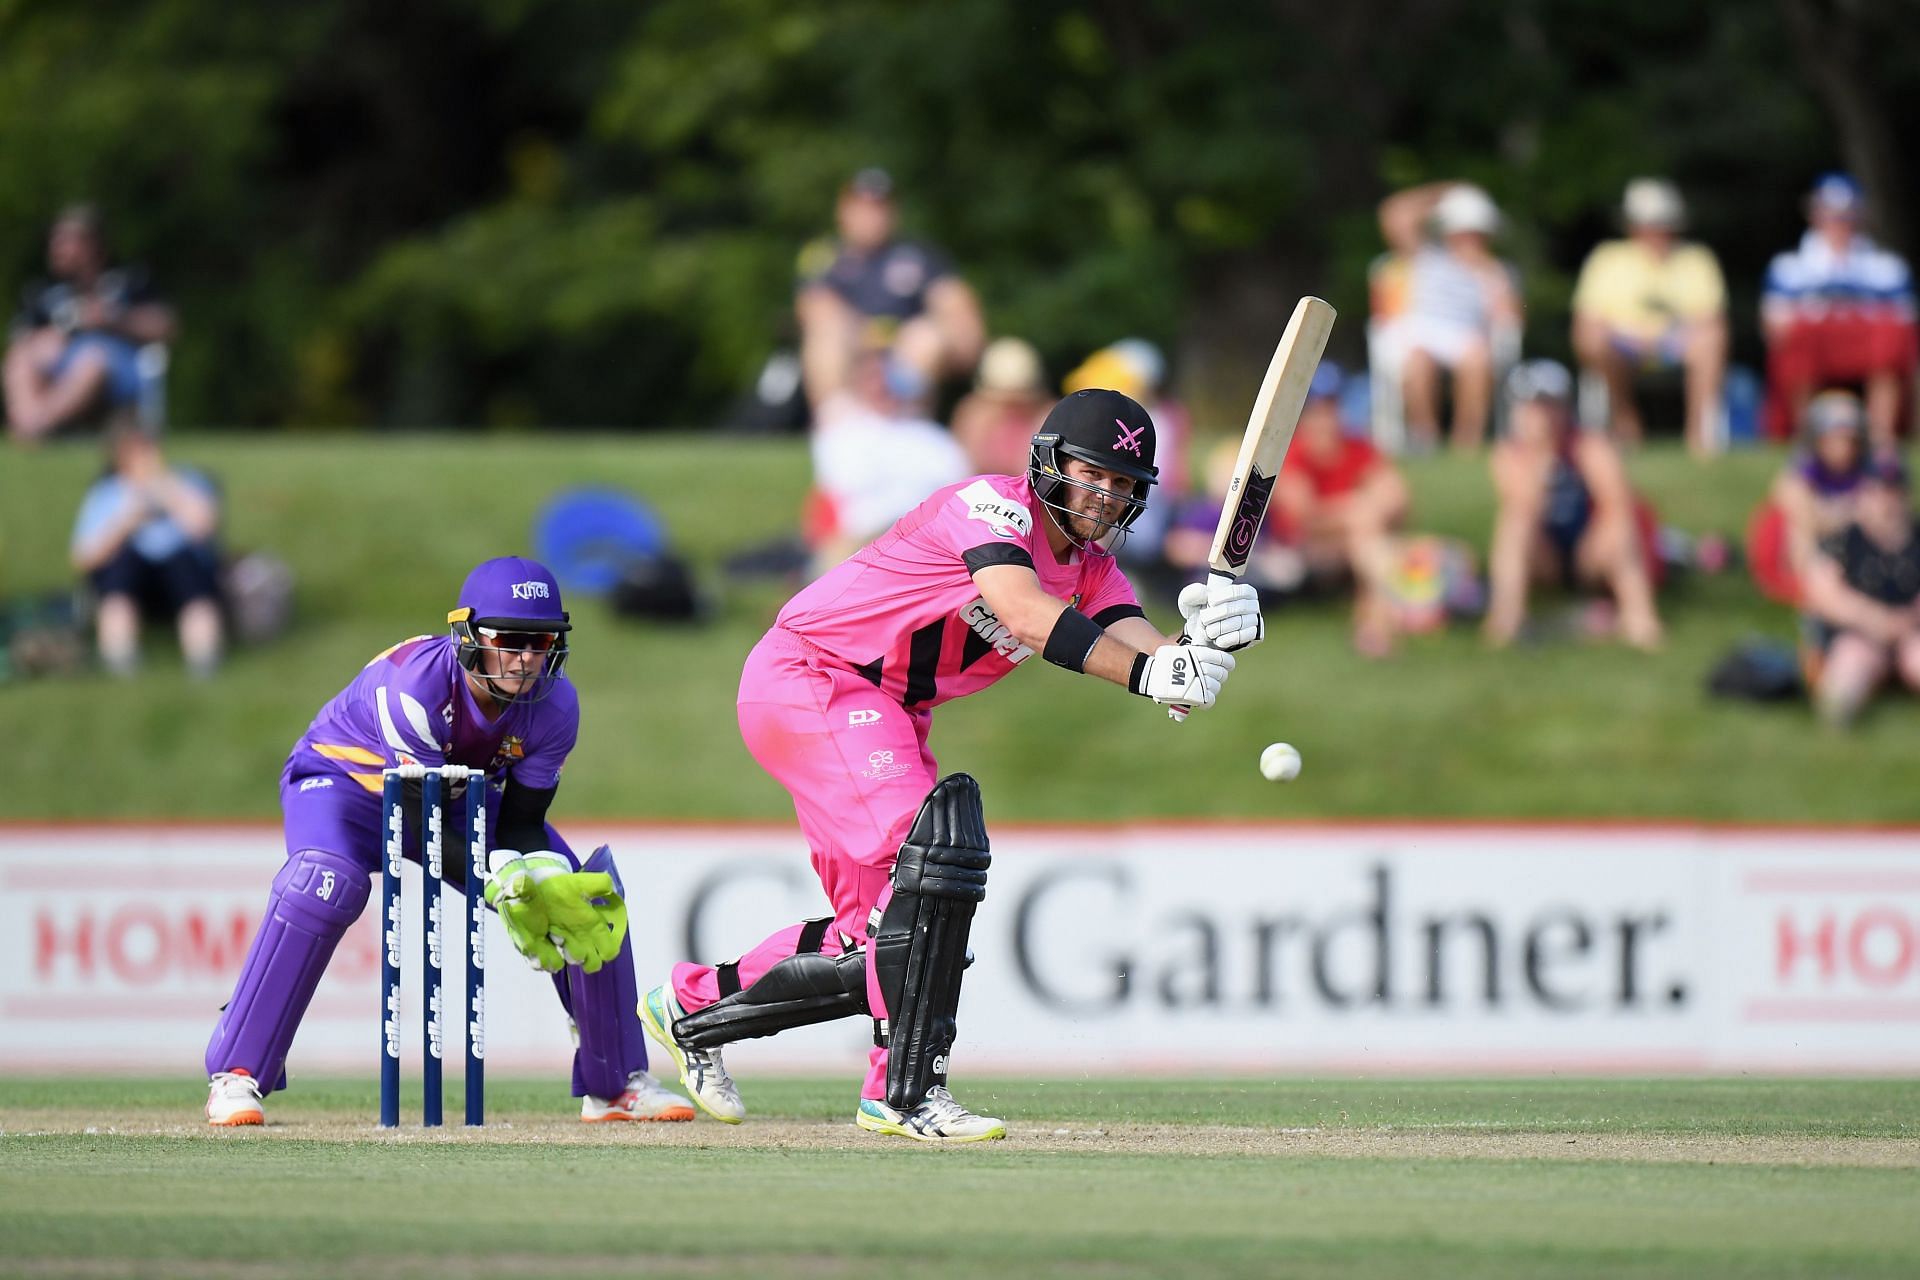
(233, 1097)
(701, 1070)
(938, 1119)
(645, 1099)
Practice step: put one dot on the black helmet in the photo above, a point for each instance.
(1102, 428)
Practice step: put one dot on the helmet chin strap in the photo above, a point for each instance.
(1085, 546)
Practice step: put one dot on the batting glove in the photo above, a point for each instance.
(1188, 675)
(1226, 616)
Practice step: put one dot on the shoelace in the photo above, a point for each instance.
(945, 1106)
(229, 1084)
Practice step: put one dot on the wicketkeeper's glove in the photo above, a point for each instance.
(555, 915)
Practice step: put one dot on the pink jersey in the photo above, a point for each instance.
(904, 612)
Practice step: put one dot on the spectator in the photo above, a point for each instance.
(1565, 512)
(875, 457)
(1839, 310)
(75, 352)
(995, 421)
(1462, 309)
(1136, 369)
(1814, 497)
(144, 538)
(1654, 301)
(1864, 595)
(870, 287)
(1338, 501)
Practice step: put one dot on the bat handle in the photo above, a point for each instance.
(1179, 714)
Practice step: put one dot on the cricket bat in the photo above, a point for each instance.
(1263, 450)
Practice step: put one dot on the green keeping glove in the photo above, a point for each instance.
(512, 890)
(584, 916)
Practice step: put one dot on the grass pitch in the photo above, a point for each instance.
(111, 1178)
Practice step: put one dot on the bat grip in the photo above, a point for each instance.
(1178, 714)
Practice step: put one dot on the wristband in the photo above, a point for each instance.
(1139, 675)
(1073, 636)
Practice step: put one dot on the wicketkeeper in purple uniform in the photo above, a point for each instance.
(489, 695)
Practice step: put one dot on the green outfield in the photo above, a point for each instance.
(1340, 1177)
(381, 529)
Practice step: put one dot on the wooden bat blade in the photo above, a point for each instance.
(1276, 411)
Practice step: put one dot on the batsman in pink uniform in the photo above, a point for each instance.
(836, 701)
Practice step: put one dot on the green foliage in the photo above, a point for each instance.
(585, 212)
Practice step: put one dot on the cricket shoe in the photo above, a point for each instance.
(233, 1097)
(701, 1070)
(644, 1099)
(938, 1119)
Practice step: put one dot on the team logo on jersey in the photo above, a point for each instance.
(863, 716)
(512, 748)
(1001, 514)
(530, 591)
(987, 625)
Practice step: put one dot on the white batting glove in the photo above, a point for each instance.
(1188, 675)
(1226, 617)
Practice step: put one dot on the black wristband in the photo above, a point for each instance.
(1073, 636)
(1139, 675)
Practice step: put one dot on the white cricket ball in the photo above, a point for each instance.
(1280, 763)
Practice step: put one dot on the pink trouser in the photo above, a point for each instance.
(857, 766)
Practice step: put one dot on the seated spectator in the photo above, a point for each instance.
(1461, 308)
(75, 352)
(875, 457)
(144, 537)
(1839, 310)
(1136, 368)
(1863, 593)
(995, 421)
(1813, 498)
(1338, 501)
(870, 287)
(1565, 513)
(1654, 301)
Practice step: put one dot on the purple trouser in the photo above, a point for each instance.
(333, 853)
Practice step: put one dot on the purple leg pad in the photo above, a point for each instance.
(314, 900)
(605, 1008)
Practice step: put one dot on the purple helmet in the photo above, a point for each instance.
(512, 605)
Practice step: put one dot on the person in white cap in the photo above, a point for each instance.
(1460, 298)
(1653, 301)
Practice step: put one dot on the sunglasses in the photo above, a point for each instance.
(527, 641)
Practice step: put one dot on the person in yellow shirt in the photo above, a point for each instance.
(1654, 301)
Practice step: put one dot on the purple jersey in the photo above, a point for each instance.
(412, 704)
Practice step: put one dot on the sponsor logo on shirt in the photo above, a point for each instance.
(1001, 514)
(311, 784)
(530, 591)
(857, 718)
(987, 625)
(881, 765)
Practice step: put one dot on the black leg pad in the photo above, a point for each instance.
(920, 947)
(801, 990)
